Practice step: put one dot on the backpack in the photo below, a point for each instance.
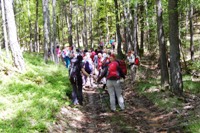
(88, 67)
(137, 61)
(112, 71)
(73, 71)
(122, 65)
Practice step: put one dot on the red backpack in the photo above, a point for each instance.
(137, 61)
(112, 70)
(122, 65)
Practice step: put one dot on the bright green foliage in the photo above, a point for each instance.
(29, 102)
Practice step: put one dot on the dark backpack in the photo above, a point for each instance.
(73, 71)
(122, 65)
(88, 67)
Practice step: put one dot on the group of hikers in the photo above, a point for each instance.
(89, 68)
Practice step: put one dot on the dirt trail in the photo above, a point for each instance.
(140, 115)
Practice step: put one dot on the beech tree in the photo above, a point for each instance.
(45, 28)
(12, 35)
(4, 27)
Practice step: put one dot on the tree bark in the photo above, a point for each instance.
(77, 25)
(162, 46)
(126, 23)
(12, 34)
(119, 38)
(5, 36)
(142, 30)
(91, 26)
(46, 29)
(135, 25)
(85, 27)
(36, 44)
(175, 68)
(30, 28)
(191, 34)
(54, 32)
(70, 38)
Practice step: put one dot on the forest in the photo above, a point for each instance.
(34, 84)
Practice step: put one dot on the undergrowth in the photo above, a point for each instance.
(29, 101)
(165, 99)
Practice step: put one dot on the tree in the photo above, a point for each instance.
(12, 35)
(36, 44)
(119, 38)
(162, 46)
(175, 68)
(54, 35)
(85, 26)
(135, 31)
(191, 33)
(4, 27)
(69, 23)
(45, 28)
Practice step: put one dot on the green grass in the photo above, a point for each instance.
(189, 85)
(194, 126)
(30, 101)
(151, 89)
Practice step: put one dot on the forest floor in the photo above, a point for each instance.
(140, 116)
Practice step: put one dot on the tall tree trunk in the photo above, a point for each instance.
(142, 30)
(4, 27)
(30, 28)
(54, 32)
(12, 34)
(91, 25)
(70, 38)
(77, 25)
(175, 68)
(162, 46)
(126, 21)
(46, 29)
(36, 44)
(119, 38)
(147, 23)
(191, 34)
(130, 20)
(69, 23)
(135, 25)
(85, 26)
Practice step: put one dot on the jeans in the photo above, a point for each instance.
(67, 61)
(114, 87)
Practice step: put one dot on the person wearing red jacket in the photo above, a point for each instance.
(113, 73)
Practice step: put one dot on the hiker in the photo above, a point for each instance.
(89, 68)
(132, 66)
(66, 56)
(113, 74)
(105, 62)
(76, 67)
(99, 64)
(112, 43)
(58, 53)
